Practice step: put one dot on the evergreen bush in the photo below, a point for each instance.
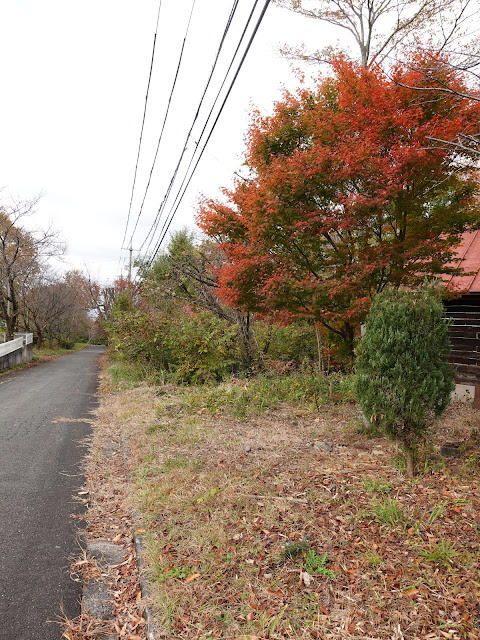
(403, 379)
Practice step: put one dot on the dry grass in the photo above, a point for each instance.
(108, 519)
(237, 512)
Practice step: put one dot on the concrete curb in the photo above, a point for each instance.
(139, 541)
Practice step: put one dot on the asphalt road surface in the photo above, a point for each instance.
(44, 413)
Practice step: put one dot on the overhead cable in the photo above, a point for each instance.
(174, 209)
(155, 223)
(164, 120)
(143, 121)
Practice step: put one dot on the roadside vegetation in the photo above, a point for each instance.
(286, 518)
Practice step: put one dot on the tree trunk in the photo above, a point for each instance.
(348, 335)
(319, 348)
(246, 339)
(409, 460)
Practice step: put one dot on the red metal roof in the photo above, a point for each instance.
(469, 253)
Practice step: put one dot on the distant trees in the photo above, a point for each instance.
(23, 254)
(32, 296)
(53, 308)
(346, 196)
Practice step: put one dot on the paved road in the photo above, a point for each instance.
(43, 413)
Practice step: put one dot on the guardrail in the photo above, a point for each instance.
(16, 351)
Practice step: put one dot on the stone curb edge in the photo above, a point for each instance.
(139, 542)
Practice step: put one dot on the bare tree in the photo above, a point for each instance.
(378, 27)
(53, 307)
(384, 29)
(22, 255)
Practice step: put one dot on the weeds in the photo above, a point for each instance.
(316, 565)
(262, 393)
(373, 559)
(442, 552)
(155, 428)
(174, 462)
(374, 485)
(437, 512)
(389, 512)
(294, 549)
(179, 573)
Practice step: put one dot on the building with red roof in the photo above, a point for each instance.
(464, 312)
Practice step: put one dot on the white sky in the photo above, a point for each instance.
(73, 80)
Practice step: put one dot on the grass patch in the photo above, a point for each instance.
(254, 396)
(376, 485)
(238, 506)
(45, 352)
(388, 512)
(443, 551)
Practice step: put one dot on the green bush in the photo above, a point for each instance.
(403, 379)
(202, 348)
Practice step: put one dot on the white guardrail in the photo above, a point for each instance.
(14, 345)
(11, 345)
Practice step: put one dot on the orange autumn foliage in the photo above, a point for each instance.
(347, 195)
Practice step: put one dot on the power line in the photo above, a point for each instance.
(143, 121)
(204, 128)
(164, 120)
(173, 211)
(156, 221)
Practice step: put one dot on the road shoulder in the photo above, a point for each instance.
(112, 604)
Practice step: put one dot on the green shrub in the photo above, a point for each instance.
(202, 348)
(403, 379)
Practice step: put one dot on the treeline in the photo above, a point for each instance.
(349, 193)
(56, 307)
(173, 322)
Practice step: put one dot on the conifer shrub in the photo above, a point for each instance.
(403, 379)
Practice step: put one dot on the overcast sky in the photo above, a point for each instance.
(73, 82)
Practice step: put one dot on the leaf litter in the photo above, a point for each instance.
(235, 510)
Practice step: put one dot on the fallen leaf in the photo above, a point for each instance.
(410, 592)
(194, 576)
(306, 578)
(141, 531)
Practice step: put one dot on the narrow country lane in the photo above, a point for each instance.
(44, 414)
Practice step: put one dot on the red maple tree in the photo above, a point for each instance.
(346, 196)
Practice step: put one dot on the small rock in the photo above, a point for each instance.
(248, 449)
(451, 450)
(106, 553)
(324, 446)
(268, 575)
(306, 578)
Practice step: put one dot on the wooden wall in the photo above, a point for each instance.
(464, 335)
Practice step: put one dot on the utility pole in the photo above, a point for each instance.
(130, 260)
